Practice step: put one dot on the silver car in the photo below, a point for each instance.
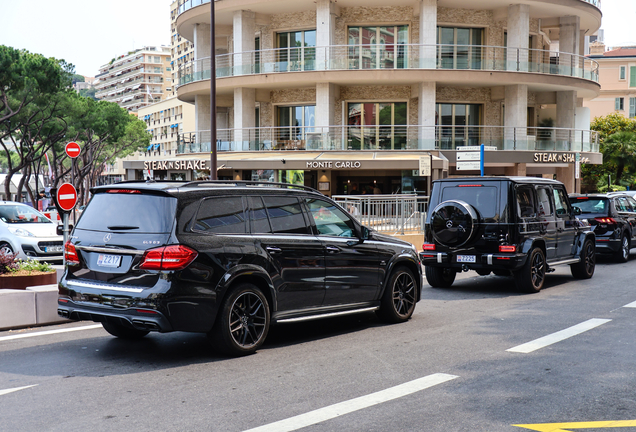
(30, 234)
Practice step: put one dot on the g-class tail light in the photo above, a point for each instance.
(173, 257)
(508, 248)
(70, 254)
(428, 247)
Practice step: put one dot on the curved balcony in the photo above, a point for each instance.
(396, 137)
(392, 57)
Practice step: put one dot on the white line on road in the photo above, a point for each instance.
(7, 391)
(558, 336)
(631, 305)
(346, 407)
(49, 332)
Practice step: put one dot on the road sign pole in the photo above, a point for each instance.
(481, 159)
(65, 233)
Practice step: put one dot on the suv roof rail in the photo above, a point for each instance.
(248, 183)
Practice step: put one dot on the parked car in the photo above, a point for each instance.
(612, 217)
(29, 234)
(519, 226)
(228, 259)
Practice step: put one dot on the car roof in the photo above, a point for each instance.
(592, 195)
(176, 187)
(516, 179)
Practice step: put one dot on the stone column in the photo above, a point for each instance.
(518, 34)
(566, 110)
(426, 116)
(428, 34)
(200, 69)
(243, 38)
(569, 36)
(201, 122)
(326, 95)
(516, 119)
(244, 118)
(325, 29)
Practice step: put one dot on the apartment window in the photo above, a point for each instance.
(632, 76)
(297, 50)
(619, 104)
(632, 107)
(158, 70)
(378, 47)
(459, 48)
(295, 121)
(376, 125)
(157, 59)
(458, 124)
(622, 72)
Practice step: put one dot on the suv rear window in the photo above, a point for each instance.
(591, 205)
(130, 212)
(482, 198)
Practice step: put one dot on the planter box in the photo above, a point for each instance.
(22, 282)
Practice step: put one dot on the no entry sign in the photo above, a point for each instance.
(72, 149)
(66, 197)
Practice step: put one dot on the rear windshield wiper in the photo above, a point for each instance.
(121, 227)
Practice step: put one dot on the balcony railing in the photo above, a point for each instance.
(396, 137)
(391, 57)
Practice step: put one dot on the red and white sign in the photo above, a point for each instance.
(72, 149)
(66, 196)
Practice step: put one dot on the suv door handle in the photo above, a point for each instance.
(273, 249)
(333, 249)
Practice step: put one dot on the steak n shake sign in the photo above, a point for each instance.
(192, 164)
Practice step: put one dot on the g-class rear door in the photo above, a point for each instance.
(565, 222)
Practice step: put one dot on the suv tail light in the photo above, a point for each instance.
(70, 254)
(507, 248)
(606, 220)
(173, 257)
(428, 247)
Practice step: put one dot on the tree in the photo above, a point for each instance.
(619, 150)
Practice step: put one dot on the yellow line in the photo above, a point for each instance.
(564, 427)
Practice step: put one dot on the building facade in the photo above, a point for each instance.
(136, 79)
(617, 76)
(181, 49)
(343, 94)
(166, 121)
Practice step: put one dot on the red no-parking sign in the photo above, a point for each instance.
(72, 149)
(66, 196)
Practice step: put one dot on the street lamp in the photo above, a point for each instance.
(213, 156)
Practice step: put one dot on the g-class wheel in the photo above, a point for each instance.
(531, 276)
(584, 269)
(243, 321)
(440, 277)
(400, 295)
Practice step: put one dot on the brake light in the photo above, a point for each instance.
(606, 220)
(428, 247)
(70, 254)
(470, 185)
(173, 257)
(125, 191)
(507, 248)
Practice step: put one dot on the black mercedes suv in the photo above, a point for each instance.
(228, 259)
(520, 226)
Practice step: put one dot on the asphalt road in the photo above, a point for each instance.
(460, 364)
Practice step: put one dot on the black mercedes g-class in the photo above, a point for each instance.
(520, 226)
(228, 258)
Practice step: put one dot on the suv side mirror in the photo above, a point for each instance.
(364, 233)
(576, 210)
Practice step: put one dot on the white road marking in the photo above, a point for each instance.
(49, 332)
(7, 391)
(558, 336)
(631, 305)
(346, 407)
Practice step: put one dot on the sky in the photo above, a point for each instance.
(88, 33)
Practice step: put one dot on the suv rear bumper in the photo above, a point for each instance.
(482, 261)
(140, 319)
(605, 245)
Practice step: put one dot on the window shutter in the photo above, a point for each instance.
(632, 107)
(632, 76)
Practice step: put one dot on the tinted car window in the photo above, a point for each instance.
(285, 215)
(136, 212)
(632, 203)
(560, 202)
(329, 219)
(483, 198)
(623, 205)
(592, 205)
(258, 216)
(525, 202)
(221, 215)
(543, 197)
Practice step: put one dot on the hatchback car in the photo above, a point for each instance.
(612, 217)
(29, 234)
(228, 259)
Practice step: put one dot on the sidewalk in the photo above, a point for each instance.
(36, 305)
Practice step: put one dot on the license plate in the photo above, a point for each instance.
(109, 260)
(466, 258)
(54, 249)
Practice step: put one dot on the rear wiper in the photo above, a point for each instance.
(121, 227)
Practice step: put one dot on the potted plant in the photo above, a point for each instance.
(19, 274)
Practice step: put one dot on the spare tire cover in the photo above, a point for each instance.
(453, 223)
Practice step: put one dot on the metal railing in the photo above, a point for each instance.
(390, 137)
(391, 57)
(392, 214)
